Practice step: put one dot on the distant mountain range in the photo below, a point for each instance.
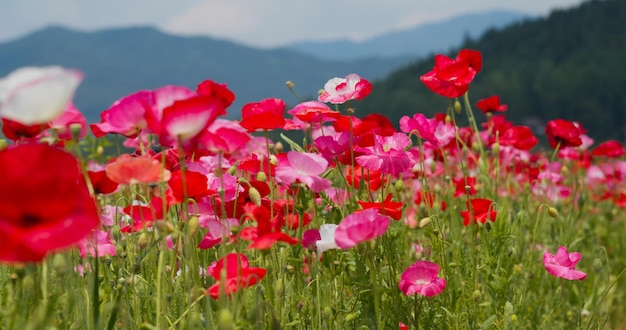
(118, 62)
(418, 41)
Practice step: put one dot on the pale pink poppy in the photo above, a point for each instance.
(341, 90)
(37, 95)
(98, 244)
(361, 226)
(421, 278)
(304, 167)
(387, 155)
(562, 264)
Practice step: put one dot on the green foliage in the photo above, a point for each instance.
(568, 65)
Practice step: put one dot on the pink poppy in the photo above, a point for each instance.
(436, 132)
(225, 136)
(387, 155)
(98, 244)
(341, 90)
(125, 116)
(361, 226)
(304, 167)
(37, 95)
(562, 264)
(71, 115)
(421, 278)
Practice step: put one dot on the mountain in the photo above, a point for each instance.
(118, 62)
(569, 64)
(417, 42)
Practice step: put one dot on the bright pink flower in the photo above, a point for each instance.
(237, 275)
(360, 227)
(267, 114)
(304, 167)
(562, 264)
(451, 77)
(37, 95)
(387, 155)
(334, 146)
(125, 116)
(225, 136)
(98, 244)
(44, 203)
(217, 230)
(341, 90)
(436, 132)
(491, 104)
(421, 278)
(163, 98)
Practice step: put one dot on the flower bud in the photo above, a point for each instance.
(255, 196)
(99, 150)
(398, 185)
(75, 130)
(261, 176)
(3, 144)
(496, 148)
(142, 241)
(425, 222)
(553, 212)
(476, 295)
(193, 225)
(59, 263)
(597, 265)
(278, 147)
(290, 84)
(457, 106)
(232, 170)
(225, 320)
(28, 284)
(164, 226)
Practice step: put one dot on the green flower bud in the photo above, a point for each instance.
(225, 320)
(553, 212)
(457, 106)
(193, 225)
(142, 241)
(261, 176)
(255, 196)
(597, 265)
(59, 263)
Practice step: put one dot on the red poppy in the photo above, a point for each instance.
(491, 104)
(519, 137)
(194, 186)
(144, 215)
(16, 131)
(219, 91)
(451, 77)
(611, 149)
(387, 207)
(481, 209)
(101, 182)
(44, 206)
(564, 133)
(267, 114)
(237, 274)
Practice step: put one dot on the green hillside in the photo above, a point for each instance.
(568, 65)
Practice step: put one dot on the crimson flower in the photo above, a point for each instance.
(16, 131)
(562, 264)
(387, 207)
(564, 133)
(234, 269)
(451, 77)
(341, 90)
(491, 104)
(481, 209)
(611, 149)
(267, 114)
(518, 137)
(189, 184)
(44, 204)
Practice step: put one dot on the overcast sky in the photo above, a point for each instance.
(265, 23)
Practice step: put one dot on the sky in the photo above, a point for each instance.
(259, 23)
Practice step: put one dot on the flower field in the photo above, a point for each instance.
(201, 222)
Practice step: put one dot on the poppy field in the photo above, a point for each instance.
(166, 215)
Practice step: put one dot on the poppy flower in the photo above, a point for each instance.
(16, 131)
(491, 104)
(194, 186)
(101, 182)
(304, 167)
(44, 205)
(451, 77)
(126, 116)
(37, 95)
(267, 114)
(564, 133)
(562, 264)
(237, 274)
(224, 136)
(387, 155)
(387, 207)
(98, 244)
(218, 91)
(611, 149)
(314, 112)
(361, 226)
(518, 137)
(144, 215)
(61, 125)
(340, 90)
(438, 133)
(421, 278)
(481, 210)
(127, 169)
